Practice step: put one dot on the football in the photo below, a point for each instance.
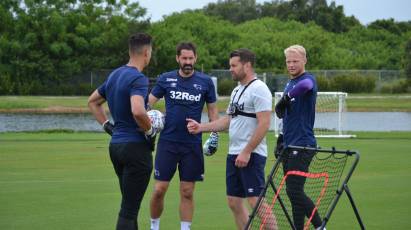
(157, 119)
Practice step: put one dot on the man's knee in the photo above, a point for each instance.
(159, 192)
(187, 192)
(235, 204)
(232, 204)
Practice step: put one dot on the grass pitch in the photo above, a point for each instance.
(66, 181)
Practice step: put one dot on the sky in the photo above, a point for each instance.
(366, 11)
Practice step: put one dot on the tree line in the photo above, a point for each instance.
(45, 44)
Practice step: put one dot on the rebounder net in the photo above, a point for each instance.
(302, 198)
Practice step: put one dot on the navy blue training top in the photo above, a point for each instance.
(121, 84)
(298, 121)
(184, 98)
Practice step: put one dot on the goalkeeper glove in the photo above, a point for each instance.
(282, 105)
(151, 135)
(108, 127)
(211, 145)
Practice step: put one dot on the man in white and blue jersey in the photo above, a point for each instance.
(132, 141)
(185, 92)
(297, 109)
(247, 120)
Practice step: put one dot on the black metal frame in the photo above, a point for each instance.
(341, 189)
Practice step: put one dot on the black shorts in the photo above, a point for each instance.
(298, 160)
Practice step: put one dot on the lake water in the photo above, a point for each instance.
(354, 121)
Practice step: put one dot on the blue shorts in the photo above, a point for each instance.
(248, 181)
(187, 156)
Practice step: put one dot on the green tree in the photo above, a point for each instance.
(214, 39)
(329, 16)
(235, 11)
(408, 61)
(43, 44)
(359, 48)
(386, 24)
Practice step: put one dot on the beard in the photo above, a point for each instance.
(238, 76)
(187, 68)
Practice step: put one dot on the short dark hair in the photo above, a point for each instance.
(245, 55)
(186, 46)
(136, 42)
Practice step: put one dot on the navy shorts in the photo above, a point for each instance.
(248, 181)
(188, 157)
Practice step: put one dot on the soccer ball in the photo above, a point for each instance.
(157, 119)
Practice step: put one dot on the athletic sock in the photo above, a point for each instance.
(185, 225)
(155, 224)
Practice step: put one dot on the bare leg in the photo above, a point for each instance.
(186, 201)
(157, 198)
(239, 211)
(265, 213)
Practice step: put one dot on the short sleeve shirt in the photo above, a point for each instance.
(255, 98)
(184, 98)
(121, 84)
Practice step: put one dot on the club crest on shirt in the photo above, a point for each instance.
(197, 86)
(156, 172)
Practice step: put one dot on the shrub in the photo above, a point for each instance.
(225, 86)
(399, 86)
(85, 89)
(67, 89)
(323, 84)
(347, 83)
(6, 85)
(354, 83)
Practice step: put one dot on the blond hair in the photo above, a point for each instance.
(296, 49)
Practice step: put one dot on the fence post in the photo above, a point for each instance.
(214, 79)
(91, 79)
(340, 111)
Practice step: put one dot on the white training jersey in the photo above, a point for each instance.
(255, 98)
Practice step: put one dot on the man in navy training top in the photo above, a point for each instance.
(132, 141)
(247, 120)
(297, 109)
(185, 92)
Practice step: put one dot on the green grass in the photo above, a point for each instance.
(355, 102)
(28, 102)
(66, 181)
(379, 103)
